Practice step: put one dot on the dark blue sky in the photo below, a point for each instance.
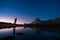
(28, 10)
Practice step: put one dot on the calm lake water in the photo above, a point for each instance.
(28, 33)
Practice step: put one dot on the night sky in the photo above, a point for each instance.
(28, 10)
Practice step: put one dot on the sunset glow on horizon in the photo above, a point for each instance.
(11, 20)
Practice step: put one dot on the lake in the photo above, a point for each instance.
(29, 34)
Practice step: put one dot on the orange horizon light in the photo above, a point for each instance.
(11, 20)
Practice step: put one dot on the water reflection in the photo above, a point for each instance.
(9, 32)
(28, 34)
(5, 32)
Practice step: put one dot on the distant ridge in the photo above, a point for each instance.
(55, 20)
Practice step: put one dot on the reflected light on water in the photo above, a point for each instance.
(5, 30)
(10, 29)
(8, 32)
(17, 28)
